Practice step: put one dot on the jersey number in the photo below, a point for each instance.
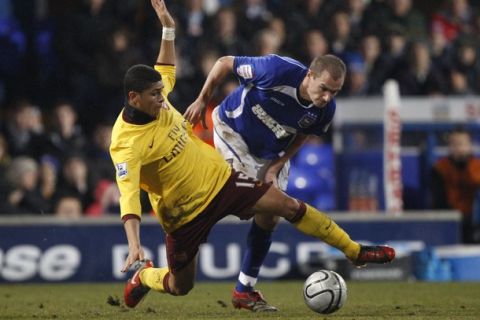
(243, 180)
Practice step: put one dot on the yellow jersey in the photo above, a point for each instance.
(180, 172)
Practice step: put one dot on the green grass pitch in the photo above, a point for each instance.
(366, 300)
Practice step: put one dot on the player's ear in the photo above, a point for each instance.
(311, 74)
(133, 98)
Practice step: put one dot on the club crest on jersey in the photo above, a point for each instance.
(121, 170)
(245, 71)
(307, 120)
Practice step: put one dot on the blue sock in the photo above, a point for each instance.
(258, 244)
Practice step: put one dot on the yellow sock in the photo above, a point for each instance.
(319, 225)
(153, 278)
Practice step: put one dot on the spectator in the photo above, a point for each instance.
(441, 50)
(380, 10)
(421, 77)
(24, 196)
(98, 154)
(466, 61)
(188, 76)
(456, 179)
(5, 161)
(402, 13)
(225, 34)
(112, 63)
(69, 207)
(25, 132)
(48, 177)
(194, 19)
(356, 80)
(396, 42)
(315, 45)
(267, 42)
(208, 57)
(75, 180)
(277, 25)
(253, 15)
(459, 83)
(312, 14)
(341, 39)
(355, 10)
(66, 135)
(455, 18)
(107, 199)
(377, 65)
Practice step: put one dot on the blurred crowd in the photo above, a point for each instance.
(62, 66)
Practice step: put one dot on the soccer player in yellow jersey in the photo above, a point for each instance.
(189, 184)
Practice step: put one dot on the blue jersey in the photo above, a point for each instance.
(266, 109)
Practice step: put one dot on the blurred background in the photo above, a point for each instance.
(398, 166)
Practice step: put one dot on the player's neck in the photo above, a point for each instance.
(135, 116)
(302, 93)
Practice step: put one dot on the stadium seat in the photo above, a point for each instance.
(302, 184)
(315, 156)
(324, 201)
(313, 186)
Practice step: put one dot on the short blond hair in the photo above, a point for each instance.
(330, 63)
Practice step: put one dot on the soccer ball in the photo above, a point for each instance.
(325, 291)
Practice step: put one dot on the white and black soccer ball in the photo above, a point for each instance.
(325, 291)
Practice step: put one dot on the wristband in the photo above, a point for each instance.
(168, 34)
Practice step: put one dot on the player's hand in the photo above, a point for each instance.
(271, 177)
(196, 112)
(15, 197)
(163, 14)
(134, 254)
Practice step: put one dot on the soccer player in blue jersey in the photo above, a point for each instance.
(260, 126)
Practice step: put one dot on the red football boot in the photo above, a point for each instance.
(252, 301)
(134, 290)
(374, 254)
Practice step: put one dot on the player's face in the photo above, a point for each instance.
(322, 88)
(151, 100)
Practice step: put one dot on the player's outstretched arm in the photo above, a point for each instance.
(167, 47)
(135, 251)
(196, 111)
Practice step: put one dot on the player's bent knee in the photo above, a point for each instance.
(290, 207)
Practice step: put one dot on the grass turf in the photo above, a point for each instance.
(375, 300)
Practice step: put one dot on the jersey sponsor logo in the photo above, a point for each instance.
(307, 120)
(180, 136)
(245, 71)
(122, 170)
(267, 120)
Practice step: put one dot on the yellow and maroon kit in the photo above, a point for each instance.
(181, 173)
